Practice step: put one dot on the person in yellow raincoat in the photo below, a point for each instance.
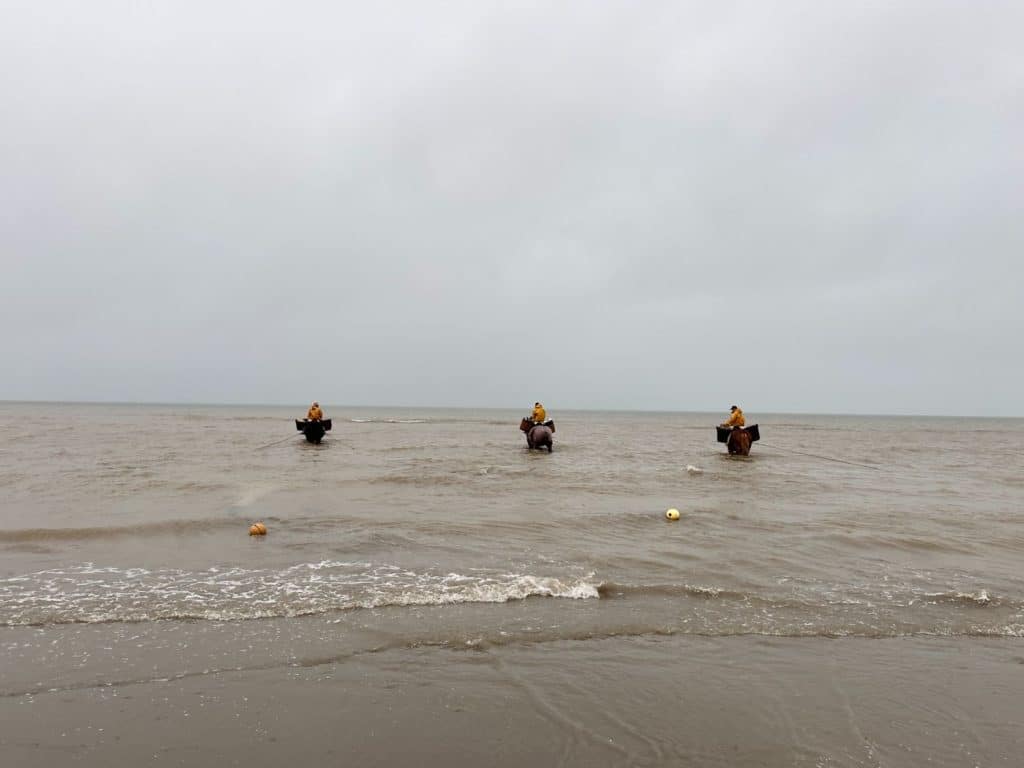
(539, 414)
(315, 414)
(735, 418)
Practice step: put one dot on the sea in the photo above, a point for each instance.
(431, 592)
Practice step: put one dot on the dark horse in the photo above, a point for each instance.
(538, 435)
(738, 439)
(313, 430)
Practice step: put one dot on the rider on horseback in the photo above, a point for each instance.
(735, 418)
(539, 414)
(537, 428)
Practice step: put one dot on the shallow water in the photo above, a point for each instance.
(126, 558)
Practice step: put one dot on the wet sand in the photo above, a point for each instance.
(740, 701)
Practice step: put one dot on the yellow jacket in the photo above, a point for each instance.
(315, 414)
(539, 414)
(736, 419)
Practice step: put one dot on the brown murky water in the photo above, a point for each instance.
(432, 592)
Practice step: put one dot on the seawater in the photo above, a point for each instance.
(852, 590)
(833, 526)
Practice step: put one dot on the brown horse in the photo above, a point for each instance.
(739, 443)
(538, 435)
(738, 439)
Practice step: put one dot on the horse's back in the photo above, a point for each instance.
(541, 435)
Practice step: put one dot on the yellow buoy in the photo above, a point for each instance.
(672, 514)
(257, 529)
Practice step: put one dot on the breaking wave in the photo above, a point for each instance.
(980, 598)
(44, 535)
(610, 589)
(91, 594)
(390, 421)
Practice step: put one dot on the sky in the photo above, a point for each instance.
(794, 206)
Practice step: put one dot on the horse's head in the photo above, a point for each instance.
(525, 424)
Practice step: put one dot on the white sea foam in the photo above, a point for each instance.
(979, 597)
(390, 421)
(88, 593)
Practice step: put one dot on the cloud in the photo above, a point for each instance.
(801, 207)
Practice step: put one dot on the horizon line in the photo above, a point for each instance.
(204, 404)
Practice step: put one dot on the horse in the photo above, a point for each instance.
(538, 435)
(739, 443)
(738, 439)
(313, 430)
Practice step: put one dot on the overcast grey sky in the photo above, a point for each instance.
(796, 206)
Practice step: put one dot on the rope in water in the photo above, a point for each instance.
(827, 458)
(276, 442)
(290, 437)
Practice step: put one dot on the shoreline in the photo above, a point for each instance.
(737, 701)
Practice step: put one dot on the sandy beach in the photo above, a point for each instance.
(649, 701)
